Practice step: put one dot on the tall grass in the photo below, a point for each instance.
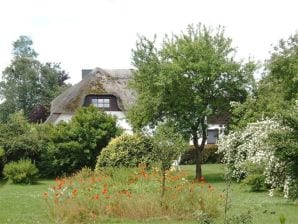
(131, 194)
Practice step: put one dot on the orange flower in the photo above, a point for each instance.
(96, 197)
(104, 191)
(74, 192)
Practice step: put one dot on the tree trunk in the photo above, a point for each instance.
(199, 149)
(163, 186)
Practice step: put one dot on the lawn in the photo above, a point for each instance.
(24, 204)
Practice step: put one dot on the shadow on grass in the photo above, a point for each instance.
(35, 183)
(214, 178)
(210, 178)
(3, 182)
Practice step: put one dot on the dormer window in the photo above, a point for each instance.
(105, 102)
(101, 103)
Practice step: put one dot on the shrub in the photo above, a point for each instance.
(21, 172)
(255, 177)
(19, 139)
(126, 151)
(209, 155)
(71, 146)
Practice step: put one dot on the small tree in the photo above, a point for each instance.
(168, 146)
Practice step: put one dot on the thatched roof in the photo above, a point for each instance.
(98, 81)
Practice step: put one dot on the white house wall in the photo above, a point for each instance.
(121, 120)
(63, 117)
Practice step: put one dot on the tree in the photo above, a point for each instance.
(193, 75)
(29, 85)
(276, 91)
(168, 145)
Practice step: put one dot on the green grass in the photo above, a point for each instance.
(24, 203)
(265, 209)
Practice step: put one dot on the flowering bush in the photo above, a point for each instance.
(252, 145)
(129, 194)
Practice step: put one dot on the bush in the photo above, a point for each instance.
(209, 155)
(255, 177)
(256, 181)
(21, 172)
(68, 147)
(126, 151)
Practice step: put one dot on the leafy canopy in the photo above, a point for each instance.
(29, 85)
(276, 91)
(191, 76)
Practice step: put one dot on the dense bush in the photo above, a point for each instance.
(127, 151)
(71, 146)
(209, 155)
(21, 172)
(57, 149)
(19, 139)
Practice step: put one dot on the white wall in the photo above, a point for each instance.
(121, 120)
(63, 117)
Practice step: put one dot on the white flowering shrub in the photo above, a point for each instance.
(251, 146)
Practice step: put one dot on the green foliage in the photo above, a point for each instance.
(2, 154)
(276, 91)
(243, 218)
(282, 219)
(283, 67)
(19, 139)
(168, 145)
(192, 75)
(127, 151)
(209, 155)
(285, 143)
(27, 84)
(21, 172)
(71, 146)
(22, 47)
(255, 177)
(130, 196)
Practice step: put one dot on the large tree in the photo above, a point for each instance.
(191, 76)
(28, 84)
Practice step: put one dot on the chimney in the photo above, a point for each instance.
(85, 73)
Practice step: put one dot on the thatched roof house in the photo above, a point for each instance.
(108, 89)
(104, 88)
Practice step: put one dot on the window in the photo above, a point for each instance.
(101, 103)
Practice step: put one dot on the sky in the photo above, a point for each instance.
(84, 34)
